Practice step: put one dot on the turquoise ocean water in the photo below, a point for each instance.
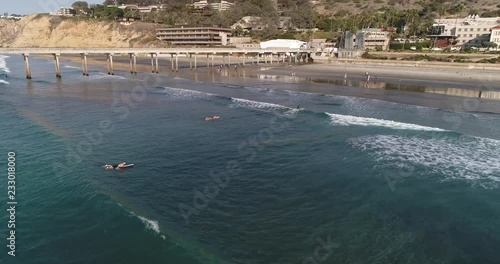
(379, 182)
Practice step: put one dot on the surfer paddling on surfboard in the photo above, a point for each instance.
(118, 166)
(211, 118)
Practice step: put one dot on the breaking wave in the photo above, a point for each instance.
(347, 120)
(185, 94)
(465, 157)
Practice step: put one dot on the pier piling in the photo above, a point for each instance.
(157, 64)
(85, 69)
(27, 65)
(172, 61)
(195, 62)
(111, 70)
(177, 62)
(132, 57)
(208, 61)
(153, 70)
(58, 66)
(190, 62)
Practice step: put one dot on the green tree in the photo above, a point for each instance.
(80, 6)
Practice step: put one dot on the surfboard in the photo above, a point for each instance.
(126, 166)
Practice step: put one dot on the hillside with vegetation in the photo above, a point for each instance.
(407, 17)
(96, 25)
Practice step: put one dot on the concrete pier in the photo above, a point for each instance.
(58, 65)
(27, 65)
(226, 53)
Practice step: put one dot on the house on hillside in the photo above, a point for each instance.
(248, 23)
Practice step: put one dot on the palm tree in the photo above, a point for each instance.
(410, 18)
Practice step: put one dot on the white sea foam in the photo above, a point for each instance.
(100, 76)
(3, 64)
(466, 158)
(347, 120)
(257, 89)
(72, 67)
(185, 94)
(4, 82)
(150, 224)
(238, 102)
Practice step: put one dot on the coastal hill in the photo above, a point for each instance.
(330, 7)
(447, 6)
(55, 31)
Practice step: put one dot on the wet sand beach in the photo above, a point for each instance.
(454, 88)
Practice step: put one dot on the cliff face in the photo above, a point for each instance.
(54, 31)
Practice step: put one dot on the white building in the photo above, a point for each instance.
(200, 4)
(471, 31)
(283, 43)
(66, 11)
(141, 9)
(495, 35)
(222, 6)
(367, 39)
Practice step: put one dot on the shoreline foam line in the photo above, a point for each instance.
(239, 102)
(348, 120)
(186, 94)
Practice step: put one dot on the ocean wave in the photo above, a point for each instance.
(72, 67)
(467, 158)
(3, 64)
(105, 76)
(238, 102)
(150, 224)
(185, 94)
(257, 89)
(347, 120)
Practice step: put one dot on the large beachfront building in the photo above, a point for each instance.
(367, 39)
(194, 35)
(471, 31)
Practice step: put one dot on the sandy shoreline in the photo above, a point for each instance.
(432, 87)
